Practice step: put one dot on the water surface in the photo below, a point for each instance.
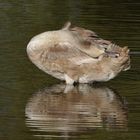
(105, 111)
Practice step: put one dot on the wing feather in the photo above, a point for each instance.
(65, 51)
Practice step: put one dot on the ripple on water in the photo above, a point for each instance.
(68, 109)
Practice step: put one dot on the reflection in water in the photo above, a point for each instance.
(67, 109)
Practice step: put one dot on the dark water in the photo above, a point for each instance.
(35, 106)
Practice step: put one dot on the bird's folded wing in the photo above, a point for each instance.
(65, 51)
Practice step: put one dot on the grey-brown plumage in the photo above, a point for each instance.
(76, 54)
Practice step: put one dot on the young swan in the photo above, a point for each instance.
(66, 55)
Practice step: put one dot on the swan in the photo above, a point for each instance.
(75, 54)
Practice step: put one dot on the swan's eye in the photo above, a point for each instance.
(105, 49)
(117, 55)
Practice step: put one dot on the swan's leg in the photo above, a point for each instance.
(68, 80)
(68, 88)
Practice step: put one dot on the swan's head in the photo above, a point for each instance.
(119, 57)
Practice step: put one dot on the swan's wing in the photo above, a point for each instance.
(91, 43)
(95, 46)
(87, 40)
(65, 51)
(93, 50)
(84, 32)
